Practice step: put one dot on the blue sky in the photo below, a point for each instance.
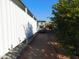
(41, 9)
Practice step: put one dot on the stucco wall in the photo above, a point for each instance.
(15, 26)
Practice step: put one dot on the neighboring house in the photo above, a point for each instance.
(40, 23)
(17, 23)
(43, 24)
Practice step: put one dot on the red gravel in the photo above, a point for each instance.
(42, 47)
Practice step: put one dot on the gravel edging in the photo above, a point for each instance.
(15, 52)
(31, 40)
(12, 54)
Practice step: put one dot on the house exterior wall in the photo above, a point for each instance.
(15, 26)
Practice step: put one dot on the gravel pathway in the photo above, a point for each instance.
(42, 47)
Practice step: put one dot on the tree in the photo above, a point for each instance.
(66, 17)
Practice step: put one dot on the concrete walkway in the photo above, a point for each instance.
(42, 47)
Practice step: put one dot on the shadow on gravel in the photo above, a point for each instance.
(43, 46)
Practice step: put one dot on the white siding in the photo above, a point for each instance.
(13, 25)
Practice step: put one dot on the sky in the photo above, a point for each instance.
(41, 9)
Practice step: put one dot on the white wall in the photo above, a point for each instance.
(13, 25)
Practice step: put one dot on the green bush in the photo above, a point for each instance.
(66, 15)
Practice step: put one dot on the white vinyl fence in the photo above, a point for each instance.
(15, 26)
